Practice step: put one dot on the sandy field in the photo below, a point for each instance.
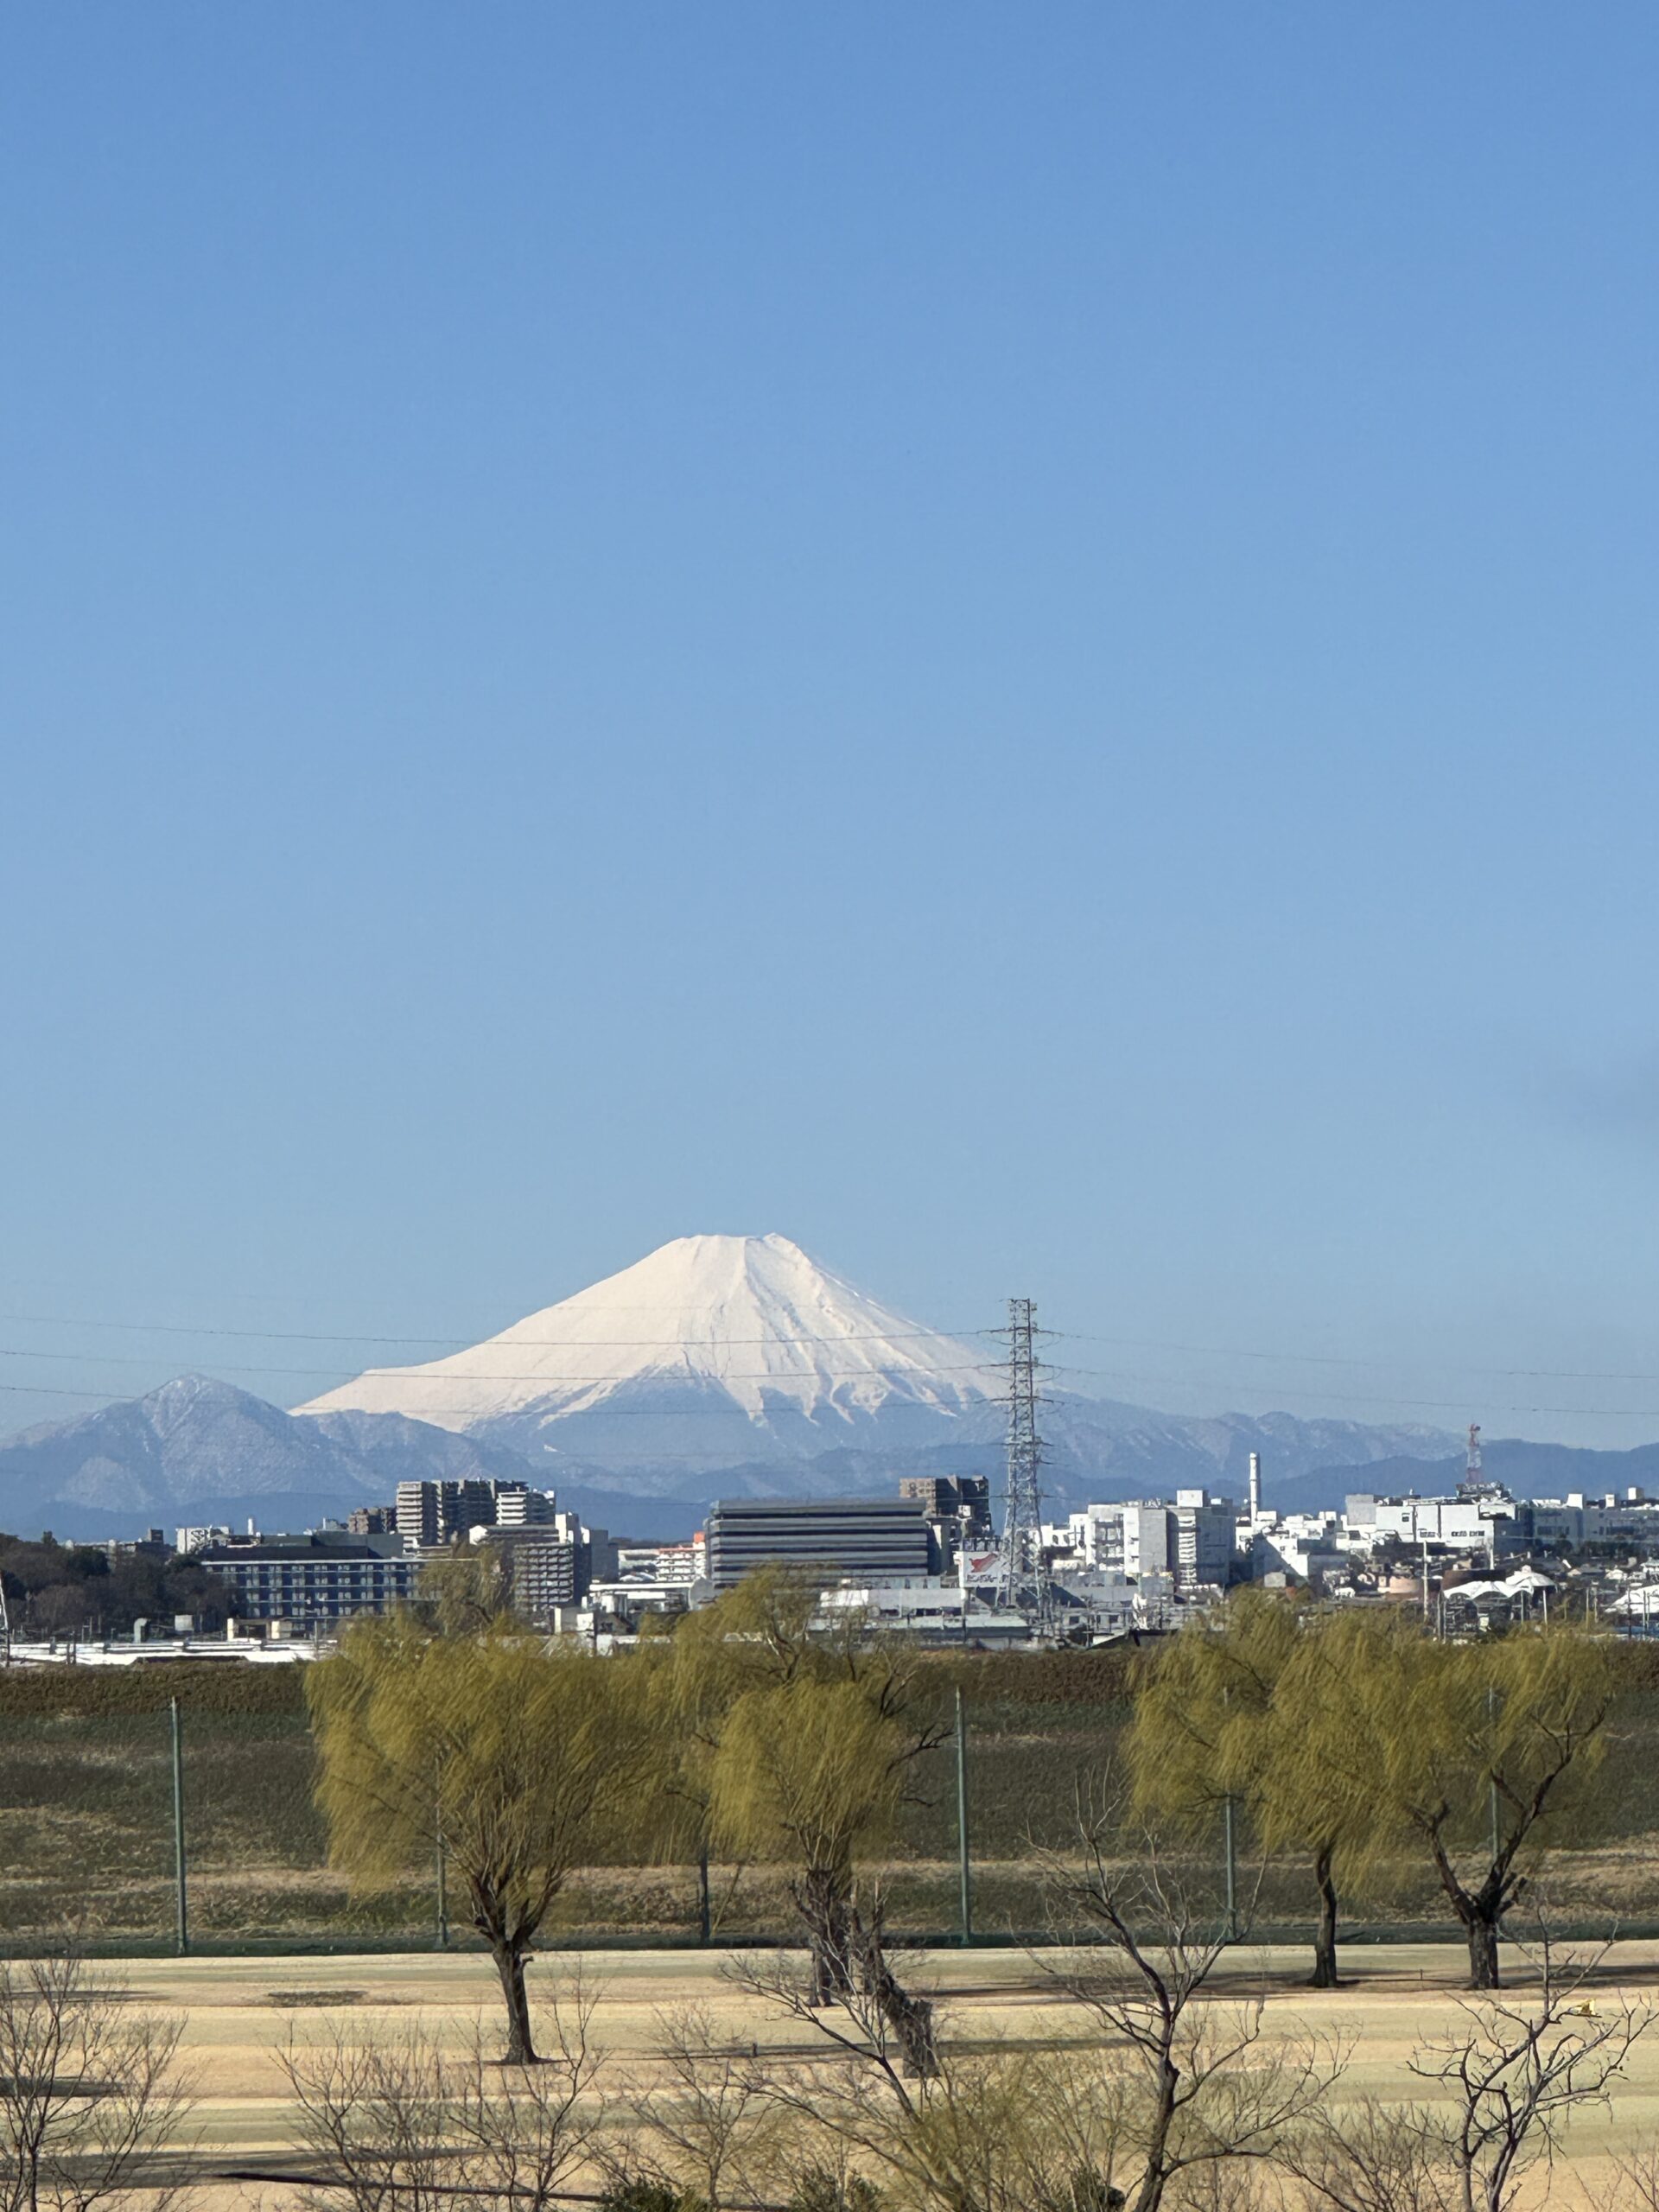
(237, 2014)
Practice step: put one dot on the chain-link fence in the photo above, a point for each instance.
(87, 1826)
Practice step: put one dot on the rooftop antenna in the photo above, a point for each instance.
(1021, 1580)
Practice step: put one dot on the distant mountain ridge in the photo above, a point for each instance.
(717, 1366)
(199, 1451)
(1525, 1469)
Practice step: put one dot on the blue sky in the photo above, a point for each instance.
(1019, 642)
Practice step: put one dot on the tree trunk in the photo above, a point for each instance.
(910, 2018)
(1480, 1910)
(509, 1965)
(1325, 1940)
(1154, 2172)
(821, 1898)
(1482, 1950)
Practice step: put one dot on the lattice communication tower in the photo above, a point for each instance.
(1021, 1581)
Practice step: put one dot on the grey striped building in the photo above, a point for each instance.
(858, 1539)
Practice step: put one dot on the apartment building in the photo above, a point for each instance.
(432, 1513)
(313, 1579)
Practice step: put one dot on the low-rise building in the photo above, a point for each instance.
(1302, 1554)
(935, 1608)
(1481, 1518)
(666, 1563)
(314, 1578)
(187, 1542)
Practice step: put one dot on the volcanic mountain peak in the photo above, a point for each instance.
(753, 1317)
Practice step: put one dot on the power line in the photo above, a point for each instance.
(463, 1343)
(610, 1412)
(1364, 1398)
(870, 1336)
(695, 1413)
(453, 1375)
(1337, 1359)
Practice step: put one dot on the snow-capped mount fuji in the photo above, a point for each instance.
(711, 1351)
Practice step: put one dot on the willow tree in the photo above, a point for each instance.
(1308, 1744)
(698, 1664)
(466, 1591)
(812, 1773)
(763, 1636)
(793, 1742)
(1285, 1711)
(522, 1762)
(1211, 1730)
(1472, 1750)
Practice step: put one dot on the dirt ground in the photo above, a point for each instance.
(239, 2014)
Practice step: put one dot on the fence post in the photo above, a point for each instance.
(961, 1823)
(443, 1894)
(178, 1829)
(1232, 1871)
(705, 1922)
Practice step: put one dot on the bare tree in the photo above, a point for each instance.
(407, 2124)
(1639, 2177)
(1509, 2083)
(1006, 2128)
(706, 2128)
(1172, 2106)
(1203, 2091)
(91, 2100)
(965, 2138)
(851, 2023)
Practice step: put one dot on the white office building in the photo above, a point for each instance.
(1133, 1538)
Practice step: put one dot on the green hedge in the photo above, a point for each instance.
(227, 1686)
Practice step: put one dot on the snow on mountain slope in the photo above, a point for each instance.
(749, 1325)
(191, 1444)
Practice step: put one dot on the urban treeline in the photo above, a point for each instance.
(104, 1590)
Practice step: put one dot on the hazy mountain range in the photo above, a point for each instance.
(718, 1365)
